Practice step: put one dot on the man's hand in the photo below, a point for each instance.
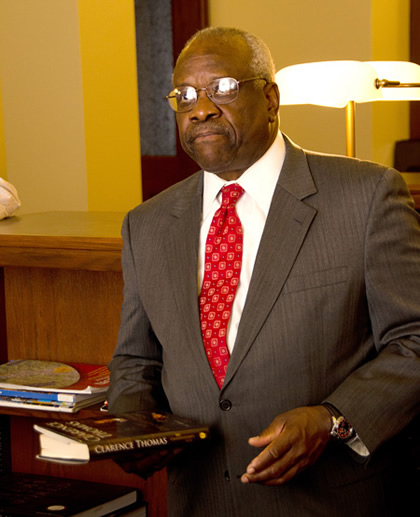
(293, 442)
(146, 464)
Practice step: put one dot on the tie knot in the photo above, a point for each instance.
(231, 193)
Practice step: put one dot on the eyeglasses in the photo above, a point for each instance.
(219, 91)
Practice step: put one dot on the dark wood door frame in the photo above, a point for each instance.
(160, 172)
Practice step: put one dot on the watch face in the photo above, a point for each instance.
(344, 428)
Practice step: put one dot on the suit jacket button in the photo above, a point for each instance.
(225, 405)
(226, 475)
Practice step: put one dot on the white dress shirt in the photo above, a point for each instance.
(259, 182)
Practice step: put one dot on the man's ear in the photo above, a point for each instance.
(272, 95)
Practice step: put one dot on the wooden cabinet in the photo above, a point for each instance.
(60, 299)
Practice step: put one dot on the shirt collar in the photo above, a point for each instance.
(258, 181)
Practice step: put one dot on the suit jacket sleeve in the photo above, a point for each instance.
(135, 380)
(381, 397)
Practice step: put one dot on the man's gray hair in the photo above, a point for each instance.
(261, 64)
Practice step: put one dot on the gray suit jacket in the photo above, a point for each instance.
(332, 313)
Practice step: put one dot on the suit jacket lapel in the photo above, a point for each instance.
(287, 225)
(182, 254)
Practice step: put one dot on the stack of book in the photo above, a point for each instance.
(52, 386)
(22, 495)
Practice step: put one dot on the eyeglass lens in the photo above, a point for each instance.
(220, 91)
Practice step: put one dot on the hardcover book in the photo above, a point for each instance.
(22, 495)
(112, 436)
(47, 396)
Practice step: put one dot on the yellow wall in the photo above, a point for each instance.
(71, 134)
(390, 41)
(109, 72)
(299, 31)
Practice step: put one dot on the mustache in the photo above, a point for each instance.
(205, 128)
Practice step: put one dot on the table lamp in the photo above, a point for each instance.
(342, 84)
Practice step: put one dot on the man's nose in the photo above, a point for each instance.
(205, 108)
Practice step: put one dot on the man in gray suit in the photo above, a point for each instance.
(318, 366)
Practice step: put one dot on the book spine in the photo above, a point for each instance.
(38, 395)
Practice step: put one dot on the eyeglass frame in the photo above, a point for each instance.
(169, 96)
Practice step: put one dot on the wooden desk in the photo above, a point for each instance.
(60, 299)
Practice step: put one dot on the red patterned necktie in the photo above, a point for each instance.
(223, 261)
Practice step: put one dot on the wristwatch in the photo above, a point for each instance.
(341, 429)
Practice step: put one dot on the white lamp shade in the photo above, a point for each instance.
(401, 71)
(328, 83)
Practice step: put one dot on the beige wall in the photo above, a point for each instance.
(3, 171)
(42, 104)
(299, 31)
(69, 130)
